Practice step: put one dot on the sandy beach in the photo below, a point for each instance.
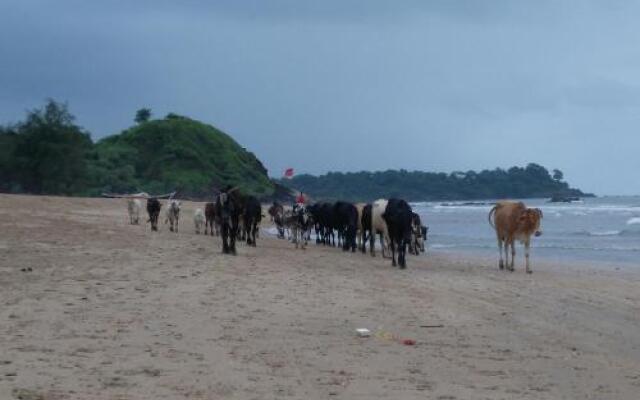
(114, 311)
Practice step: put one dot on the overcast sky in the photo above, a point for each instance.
(349, 85)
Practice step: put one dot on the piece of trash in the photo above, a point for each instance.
(363, 332)
(432, 326)
(385, 335)
(408, 342)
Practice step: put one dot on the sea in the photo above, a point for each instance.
(601, 230)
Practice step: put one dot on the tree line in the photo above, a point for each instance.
(532, 181)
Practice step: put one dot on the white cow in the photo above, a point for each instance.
(134, 206)
(379, 225)
(199, 220)
(173, 214)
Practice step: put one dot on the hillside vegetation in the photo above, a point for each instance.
(516, 182)
(49, 154)
(176, 153)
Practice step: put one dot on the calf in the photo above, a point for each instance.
(228, 209)
(153, 209)
(211, 221)
(300, 223)
(173, 215)
(514, 221)
(418, 235)
(199, 220)
(252, 218)
(276, 211)
(134, 206)
(398, 216)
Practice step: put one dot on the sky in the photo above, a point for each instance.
(346, 85)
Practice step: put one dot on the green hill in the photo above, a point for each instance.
(176, 153)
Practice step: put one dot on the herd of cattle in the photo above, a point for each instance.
(349, 226)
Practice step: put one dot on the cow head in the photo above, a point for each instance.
(174, 205)
(300, 211)
(530, 220)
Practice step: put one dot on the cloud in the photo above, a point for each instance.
(350, 85)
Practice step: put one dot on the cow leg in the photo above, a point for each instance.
(393, 253)
(177, 220)
(385, 241)
(506, 254)
(507, 263)
(526, 256)
(255, 233)
(513, 254)
(401, 254)
(225, 245)
(372, 243)
(232, 244)
(501, 262)
(353, 242)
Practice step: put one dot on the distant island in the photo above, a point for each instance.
(48, 153)
(532, 181)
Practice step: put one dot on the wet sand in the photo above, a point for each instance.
(114, 311)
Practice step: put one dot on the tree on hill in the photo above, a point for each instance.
(558, 175)
(48, 152)
(143, 115)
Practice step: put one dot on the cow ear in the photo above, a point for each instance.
(539, 212)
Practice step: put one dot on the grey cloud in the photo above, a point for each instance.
(350, 85)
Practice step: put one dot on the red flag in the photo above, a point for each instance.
(288, 173)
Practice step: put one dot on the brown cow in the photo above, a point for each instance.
(514, 221)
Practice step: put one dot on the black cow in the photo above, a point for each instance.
(345, 217)
(398, 216)
(228, 209)
(252, 218)
(327, 224)
(153, 209)
(366, 226)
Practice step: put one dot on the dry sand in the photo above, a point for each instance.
(113, 311)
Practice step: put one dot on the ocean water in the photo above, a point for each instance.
(603, 230)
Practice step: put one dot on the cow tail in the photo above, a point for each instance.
(492, 212)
